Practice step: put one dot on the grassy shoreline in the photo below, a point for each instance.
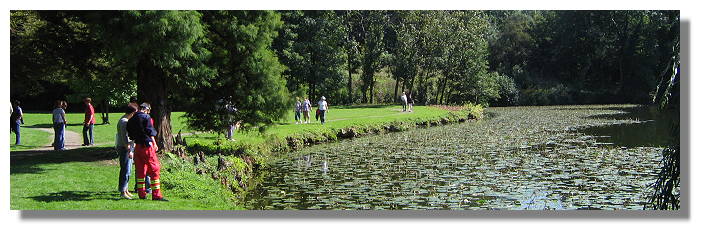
(236, 163)
(209, 173)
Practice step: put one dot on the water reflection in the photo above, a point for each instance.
(522, 158)
(651, 128)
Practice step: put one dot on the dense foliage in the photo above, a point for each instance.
(260, 61)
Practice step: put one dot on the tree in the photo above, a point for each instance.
(247, 72)
(351, 45)
(404, 49)
(164, 48)
(311, 46)
(372, 31)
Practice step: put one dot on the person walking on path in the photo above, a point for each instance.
(403, 101)
(409, 101)
(125, 151)
(15, 121)
(306, 109)
(141, 130)
(59, 120)
(323, 108)
(297, 110)
(88, 122)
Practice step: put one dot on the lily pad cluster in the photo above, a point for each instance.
(525, 158)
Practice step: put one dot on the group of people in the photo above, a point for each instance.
(303, 109)
(407, 103)
(135, 143)
(59, 123)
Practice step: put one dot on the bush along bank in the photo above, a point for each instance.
(235, 164)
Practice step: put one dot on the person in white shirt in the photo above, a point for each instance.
(125, 150)
(306, 108)
(403, 101)
(59, 120)
(323, 108)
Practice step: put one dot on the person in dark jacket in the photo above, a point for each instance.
(141, 130)
(16, 120)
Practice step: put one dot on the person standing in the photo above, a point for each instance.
(64, 105)
(59, 120)
(230, 119)
(15, 121)
(306, 109)
(403, 101)
(125, 151)
(141, 130)
(88, 123)
(297, 110)
(409, 101)
(323, 108)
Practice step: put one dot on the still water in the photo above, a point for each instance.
(532, 158)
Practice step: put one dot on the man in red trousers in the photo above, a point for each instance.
(141, 130)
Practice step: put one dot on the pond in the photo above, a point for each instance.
(522, 158)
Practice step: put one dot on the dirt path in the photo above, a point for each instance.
(72, 140)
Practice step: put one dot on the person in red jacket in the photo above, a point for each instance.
(88, 123)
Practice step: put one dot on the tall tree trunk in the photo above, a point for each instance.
(350, 92)
(396, 88)
(105, 116)
(372, 89)
(312, 75)
(152, 87)
(443, 90)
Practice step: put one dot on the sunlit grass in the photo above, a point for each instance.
(86, 179)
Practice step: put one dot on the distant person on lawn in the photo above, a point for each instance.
(15, 121)
(125, 151)
(88, 122)
(403, 101)
(59, 120)
(322, 109)
(306, 109)
(230, 118)
(64, 105)
(141, 130)
(409, 101)
(298, 107)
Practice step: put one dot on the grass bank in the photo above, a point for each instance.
(206, 173)
(86, 179)
(235, 163)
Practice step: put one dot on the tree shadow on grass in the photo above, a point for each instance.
(76, 196)
(26, 162)
(361, 106)
(43, 125)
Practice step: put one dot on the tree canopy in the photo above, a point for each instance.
(261, 60)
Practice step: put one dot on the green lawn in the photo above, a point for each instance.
(86, 179)
(32, 137)
(103, 134)
(337, 117)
